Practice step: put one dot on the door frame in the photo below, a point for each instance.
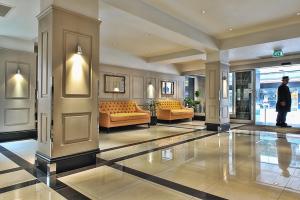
(253, 99)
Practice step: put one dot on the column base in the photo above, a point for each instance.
(217, 127)
(66, 163)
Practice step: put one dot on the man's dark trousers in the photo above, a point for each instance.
(281, 117)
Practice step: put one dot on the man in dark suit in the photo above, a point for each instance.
(284, 102)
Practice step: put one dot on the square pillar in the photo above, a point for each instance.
(68, 62)
(217, 96)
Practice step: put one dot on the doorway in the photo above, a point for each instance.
(268, 80)
(241, 96)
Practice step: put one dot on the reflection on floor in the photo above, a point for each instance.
(165, 162)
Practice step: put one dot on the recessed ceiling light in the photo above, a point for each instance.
(298, 13)
(230, 29)
(203, 11)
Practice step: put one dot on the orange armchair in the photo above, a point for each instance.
(121, 113)
(172, 110)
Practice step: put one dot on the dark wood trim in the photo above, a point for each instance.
(217, 127)
(66, 163)
(18, 135)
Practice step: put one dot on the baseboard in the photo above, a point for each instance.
(199, 117)
(65, 163)
(17, 135)
(217, 127)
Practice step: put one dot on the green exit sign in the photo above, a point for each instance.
(278, 53)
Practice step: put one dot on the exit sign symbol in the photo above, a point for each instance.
(278, 53)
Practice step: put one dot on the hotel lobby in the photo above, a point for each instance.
(148, 99)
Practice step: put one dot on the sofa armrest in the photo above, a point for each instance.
(104, 119)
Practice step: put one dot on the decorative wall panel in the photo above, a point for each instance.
(17, 80)
(44, 128)
(16, 116)
(77, 67)
(212, 85)
(76, 127)
(137, 87)
(44, 65)
(212, 109)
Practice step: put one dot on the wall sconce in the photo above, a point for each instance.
(78, 50)
(18, 71)
(150, 90)
(116, 89)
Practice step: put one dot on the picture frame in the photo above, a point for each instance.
(167, 87)
(114, 84)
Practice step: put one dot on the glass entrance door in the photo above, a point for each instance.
(268, 80)
(242, 96)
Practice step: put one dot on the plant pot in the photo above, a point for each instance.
(197, 108)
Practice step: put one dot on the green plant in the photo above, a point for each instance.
(197, 93)
(189, 102)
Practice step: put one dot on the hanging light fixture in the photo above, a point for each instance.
(78, 50)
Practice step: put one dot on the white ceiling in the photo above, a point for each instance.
(221, 15)
(21, 20)
(138, 37)
(130, 34)
(289, 47)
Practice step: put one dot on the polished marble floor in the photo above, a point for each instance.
(176, 161)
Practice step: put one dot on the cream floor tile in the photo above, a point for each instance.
(109, 155)
(235, 191)
(13, 178)
(35, 192)
(289, 195)
(24, 148)
(6, 163)
(227, 165)
(108, 183)
(147, 191)
(120, 138)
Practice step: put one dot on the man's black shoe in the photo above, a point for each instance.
(285, 125)
(278, 124)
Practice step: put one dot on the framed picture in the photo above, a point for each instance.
(114, 84)
(167, 88)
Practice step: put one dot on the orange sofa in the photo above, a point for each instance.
(121, 113)
(173, 110)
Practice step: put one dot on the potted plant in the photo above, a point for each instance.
(189, 102)
(197, 102)
(151, 106)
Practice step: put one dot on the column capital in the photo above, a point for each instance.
(218, 56)
(90, 9)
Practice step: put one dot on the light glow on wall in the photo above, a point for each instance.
(151, 91)
(77, 67)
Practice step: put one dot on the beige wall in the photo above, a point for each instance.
(136, 84)
(17, 92)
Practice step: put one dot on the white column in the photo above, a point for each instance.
(217, 93)
(67, 84)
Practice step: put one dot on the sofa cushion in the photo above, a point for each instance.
(169, 104)
(113, 107)
(127, 116)
(181, 111)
